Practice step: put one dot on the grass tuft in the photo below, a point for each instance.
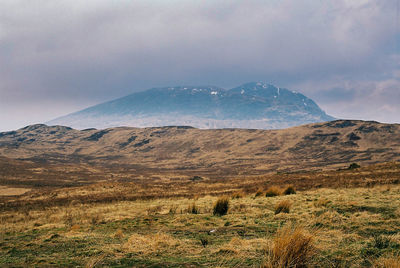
(289, 190)
(238, 195)
(387, 262)
(292, 247)
(273, 191)
(119, 234)
(259, 192)
(283, 207)
(193, 209)
(221, 206)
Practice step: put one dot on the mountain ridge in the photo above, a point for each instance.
(251, 105)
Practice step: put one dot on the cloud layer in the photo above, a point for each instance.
(60, 56)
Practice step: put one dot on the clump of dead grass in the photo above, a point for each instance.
(238, 195)
(193, 208)
(322, 202)
(289, 190)
(221, 207)
(259, 192)
(387, 262)
(292, 247)
(273, 191)
(119, 234)
(283, 207)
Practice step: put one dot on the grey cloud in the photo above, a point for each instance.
(84, 52)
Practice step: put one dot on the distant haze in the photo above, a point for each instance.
(57, 57)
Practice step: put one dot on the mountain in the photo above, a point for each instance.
(222, 152)
(252, 105)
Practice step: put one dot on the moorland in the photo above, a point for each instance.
(320, 195)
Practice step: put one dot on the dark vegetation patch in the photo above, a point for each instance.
(143, 142)
(340, 124)
(367, 129)
(389, 128)
(9, 133)
(130, 140)
(196, 178)
(321, 136)
(354, 166)
(98, 135)
(194, 150)
(388, 212)
(334, 139)
(353, 137)
(158, 133)
(271, 148)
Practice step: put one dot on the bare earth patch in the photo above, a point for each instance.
(9, 191)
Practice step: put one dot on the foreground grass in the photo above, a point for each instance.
(350, 228)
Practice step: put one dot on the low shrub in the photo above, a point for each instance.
(221, 206)
(283, 207)
(273, 191)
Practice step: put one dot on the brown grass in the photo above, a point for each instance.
(283, 207)
(193, 209)
(239, 194)
(221, 207)
(151, 243)
(119, 234)
(349, 223)
(289, 190)
(259, 192)
(322, 202)
(125, 187)
(387, 262)
(292, 247)
(273, 191)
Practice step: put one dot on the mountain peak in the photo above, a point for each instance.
(251, 105)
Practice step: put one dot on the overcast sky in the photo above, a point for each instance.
(57, 57)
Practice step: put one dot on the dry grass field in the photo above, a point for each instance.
(185, 197)
(342, 218)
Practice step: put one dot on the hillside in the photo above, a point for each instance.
(251, 105)
(223, 151)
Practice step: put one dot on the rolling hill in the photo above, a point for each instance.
(222, 151)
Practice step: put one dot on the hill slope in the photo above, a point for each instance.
(252, 105)
(223, 151)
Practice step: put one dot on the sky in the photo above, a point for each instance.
(57, 57)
